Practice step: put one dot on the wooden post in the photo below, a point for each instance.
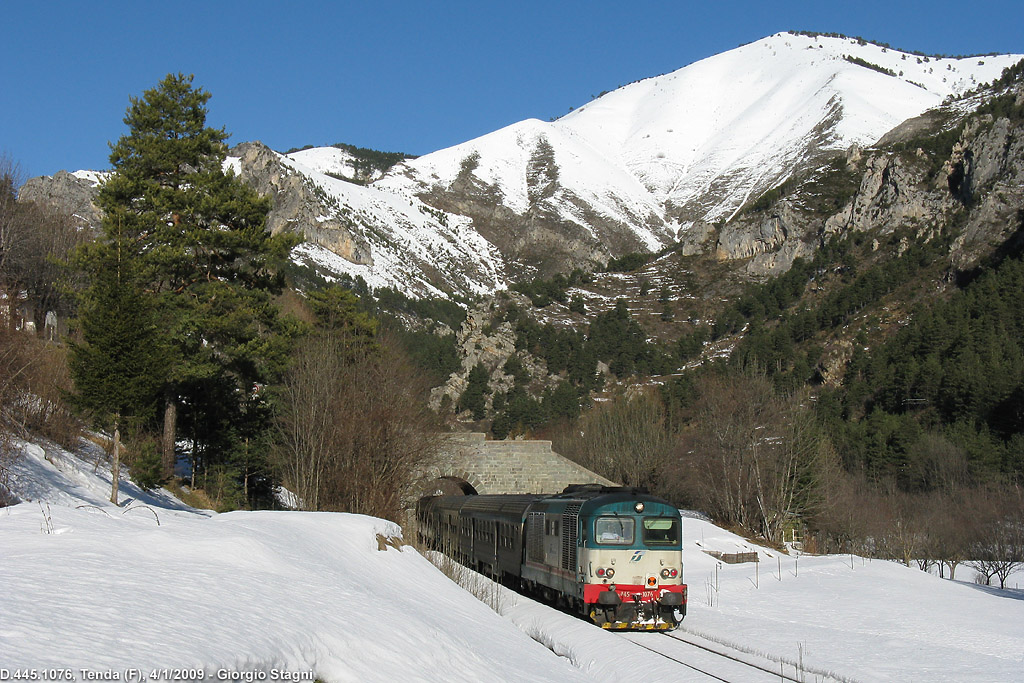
(115, 469)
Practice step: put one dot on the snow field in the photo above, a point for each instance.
(90, 585)
(299, 592)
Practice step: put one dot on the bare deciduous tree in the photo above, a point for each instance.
(951, 523)
(35, 241)
(354, 428)
(10, 240)
(758, 459)
(624, 440)
(936, 463)
(998, 550)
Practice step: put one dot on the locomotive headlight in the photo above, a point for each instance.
(639, 507)
(609, 573)
(669, 573)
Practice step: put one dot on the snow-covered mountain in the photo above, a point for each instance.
(652, 162)
(707, 137)
(637, 167)
(697, 143)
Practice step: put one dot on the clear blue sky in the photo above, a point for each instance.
(396, 75)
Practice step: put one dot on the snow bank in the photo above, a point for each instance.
(244, 591)
(90, 585)
(865, 619)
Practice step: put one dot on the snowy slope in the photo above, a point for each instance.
(503, 160)
(409, 242)
(337, 162)
(325, 160)
(88, 586)
(871, 620)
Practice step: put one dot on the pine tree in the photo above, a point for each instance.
(119, 363)
(474, 397)
(205, 256)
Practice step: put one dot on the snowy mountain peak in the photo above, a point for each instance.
(654, 161)
(636, 167)
(708, 136)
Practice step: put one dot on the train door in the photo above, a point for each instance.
(553, 540)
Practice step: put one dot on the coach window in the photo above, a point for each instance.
(661, 531)
(614, 530)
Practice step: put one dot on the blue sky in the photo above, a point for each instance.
(398, 76)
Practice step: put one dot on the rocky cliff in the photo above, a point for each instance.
(298, 204)
(974, 187)
(72, 194)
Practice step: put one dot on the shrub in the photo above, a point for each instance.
(145, 465)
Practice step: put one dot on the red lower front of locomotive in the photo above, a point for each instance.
(636, 607)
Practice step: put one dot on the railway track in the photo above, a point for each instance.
(721, 663)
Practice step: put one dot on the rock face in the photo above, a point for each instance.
(70, 194)
(478, 342)
(979, 188)
(298, 206)
(481, 342)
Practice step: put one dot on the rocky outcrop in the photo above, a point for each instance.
(480, 341)
(989, 163)
(298, 205)
(769, 240)
(978, 189)
(70, 194)
(695, 238)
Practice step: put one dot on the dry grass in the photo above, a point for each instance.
(479, 586)
(47, 381)
(196, 498)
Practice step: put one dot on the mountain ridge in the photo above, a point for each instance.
(654, 163)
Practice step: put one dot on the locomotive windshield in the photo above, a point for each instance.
(614, 530)
(661, 531)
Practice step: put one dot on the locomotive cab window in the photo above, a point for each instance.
(661, 531)
(614, 530)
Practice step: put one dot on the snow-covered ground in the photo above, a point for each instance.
(95, 588)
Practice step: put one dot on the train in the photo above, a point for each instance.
(610, 554)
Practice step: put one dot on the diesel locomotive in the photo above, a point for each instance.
(611, 554)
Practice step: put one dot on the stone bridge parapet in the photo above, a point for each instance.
(476, 465)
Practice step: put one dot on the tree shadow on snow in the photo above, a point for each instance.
(1012, 593)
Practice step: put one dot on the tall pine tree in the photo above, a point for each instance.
(118, 361)
(205, 257)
